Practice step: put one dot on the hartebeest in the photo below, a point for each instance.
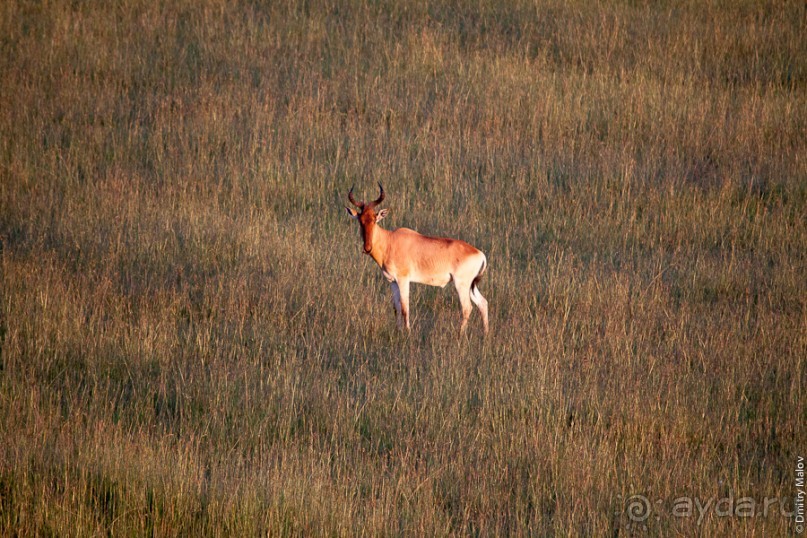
(405, 256)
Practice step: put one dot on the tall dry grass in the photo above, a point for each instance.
(193, 343)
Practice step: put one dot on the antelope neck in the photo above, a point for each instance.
(380, 240)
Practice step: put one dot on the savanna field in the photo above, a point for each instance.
(192, 341)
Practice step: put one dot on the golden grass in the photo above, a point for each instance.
(193, 343)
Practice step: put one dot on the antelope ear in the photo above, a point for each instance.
(381, 214)
(352, 212)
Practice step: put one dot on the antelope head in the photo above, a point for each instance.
(367, 217)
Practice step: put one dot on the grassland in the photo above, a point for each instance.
(193, 343)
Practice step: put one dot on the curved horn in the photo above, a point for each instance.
(353, 201)
(380, 198)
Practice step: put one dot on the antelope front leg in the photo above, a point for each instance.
(396, 301)
(403, 290)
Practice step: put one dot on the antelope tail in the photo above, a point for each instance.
(478, 276)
